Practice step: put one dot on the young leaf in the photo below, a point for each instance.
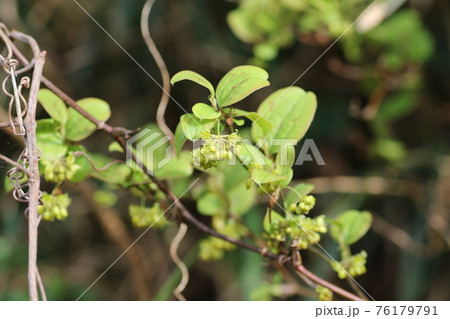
(290, 111)
(193, 127)
(175, 167)
(239, 83)
(49, 140)
(293, 197)
(350, 226)
(53, 105)
(180, 139)
(114, 174)
(264, 125)
(262, 177)
(210, 204)
(78, 127)
(205, 112)
(115, 147)
(192, 76)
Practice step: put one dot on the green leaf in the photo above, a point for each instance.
(78, 127)
(180, 139)
(85, 168)
(176, 167)
(49, 140)
(114, 174)
(205, 112)
(273, 216)
(193, 127)
(293, 197)
(241, 199)
(262, 177)
(350, 226)
(192, 76)
(285, 159)
(210, 204)
(263, 124)
(239, 83)
(53, 105)
(290, 111)
(251, 154)
(115, 147)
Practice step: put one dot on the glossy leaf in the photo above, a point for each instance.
(290, 111)
(239, 83)
(210, 204)
(192, 76)
(193, 127)
(350, 226)
(77, 126)
(293, 197)
(53, 105)
(205, 112)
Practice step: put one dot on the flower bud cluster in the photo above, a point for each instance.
(216, 148)
(355, 265)
(54, 206)
(60, 170)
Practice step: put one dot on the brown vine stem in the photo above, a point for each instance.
(344, 293)
(184, 212)
(14, 163)
(161, 110)
(33, 170)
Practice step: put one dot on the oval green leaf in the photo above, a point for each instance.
(49, 140)
(291, 111)
(78, 127)
(192, 76)
(210, 204)
(53, 105)
(350, 226)
(239, 83)
(205, 112)
(262, 177)
(193, 127)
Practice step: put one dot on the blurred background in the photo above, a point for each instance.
(382, 126)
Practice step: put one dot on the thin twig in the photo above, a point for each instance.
(162, 68)
(14, 163)
(323, 282)
(41, 285)
(33, 175)
(184, 271)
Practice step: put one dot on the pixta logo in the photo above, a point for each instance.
(151, 148)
